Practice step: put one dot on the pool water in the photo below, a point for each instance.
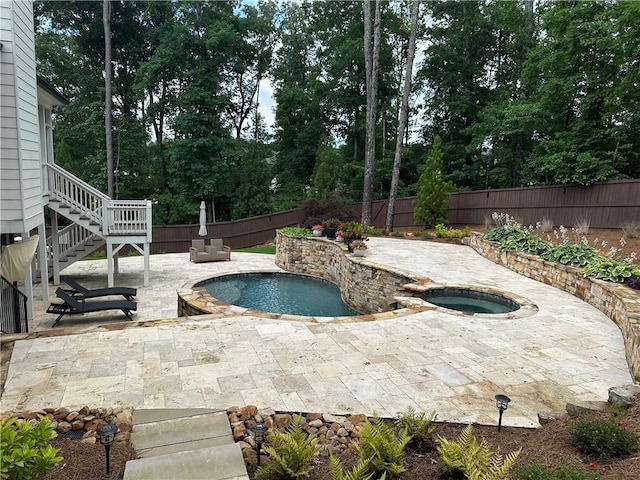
(283, 293)
(469, 301)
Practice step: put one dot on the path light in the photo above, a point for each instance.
(107, 433)
(259, 431)
(502, 402)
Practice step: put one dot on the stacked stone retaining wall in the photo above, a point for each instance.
(618, 302)
(365, 286)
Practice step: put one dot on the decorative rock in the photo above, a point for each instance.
(248, 412)
(584, 408)
(90, 440)
(282, 420)
(61, 412)
(313, 416)
(343, 432)
(72, 416)
(249, 454)
(329, 418)
(123, 437)
(49, 409)
(251, 441)
(239, 432)
(31, 415)
(77, 425)
(623, 396)
(548, 417)
(357, 419)
(267, 412)
(84, 410)
(124, 426)
(233, 409)
(64, 427)
(315, 423)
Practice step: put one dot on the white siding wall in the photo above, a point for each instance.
(20, 168)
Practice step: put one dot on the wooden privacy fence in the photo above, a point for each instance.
(605, 205)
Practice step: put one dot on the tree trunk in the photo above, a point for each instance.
(372, 61)
(404, 116)
(106, 22)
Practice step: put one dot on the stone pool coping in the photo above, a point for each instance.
(381, 292)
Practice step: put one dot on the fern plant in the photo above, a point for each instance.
(475, 459)
(290, 454)
(357, 472)
(383, 447)
(419, 425)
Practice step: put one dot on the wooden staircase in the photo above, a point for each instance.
(97, 222)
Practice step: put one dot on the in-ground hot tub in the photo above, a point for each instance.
(468, 300)
(283, 293)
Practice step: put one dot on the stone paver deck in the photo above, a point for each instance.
(431, 361)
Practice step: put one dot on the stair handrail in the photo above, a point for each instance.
(75, 192)
(13, 310)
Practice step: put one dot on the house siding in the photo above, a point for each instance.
(20, 168)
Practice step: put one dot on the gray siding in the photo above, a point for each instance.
(20, 168)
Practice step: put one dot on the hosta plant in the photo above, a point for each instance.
(577, 255)
(610, 270)
(526, 243)
(499, 234)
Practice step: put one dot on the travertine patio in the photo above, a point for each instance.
(431, 361)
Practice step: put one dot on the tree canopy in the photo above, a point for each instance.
(518, 93)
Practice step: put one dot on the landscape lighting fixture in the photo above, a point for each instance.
(259, 431)
(502, 403)
(107, 433)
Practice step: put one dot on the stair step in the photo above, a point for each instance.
(223, 462)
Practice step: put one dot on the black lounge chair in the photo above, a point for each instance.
(78, 290)
(76, 305)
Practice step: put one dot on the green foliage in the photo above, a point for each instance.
(475, 459)
(266, 249)
(383, 446)
(577, 255)
(432, 204)
(602, 438)
(357, 472)
(418, 425)
(290, 454)
(525, 242)
(352, 230)
(315, 211)
(25, 450)
(397, 234)
(297, 231)
(499, 234)
(559, 472)
(610, 270)
(444, 232)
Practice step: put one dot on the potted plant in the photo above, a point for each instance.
(352, 231)
(339, 236)
(331, 226)
(358, 248)
(317, 230)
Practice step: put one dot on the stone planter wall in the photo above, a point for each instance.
(365, 286)
(620, 303)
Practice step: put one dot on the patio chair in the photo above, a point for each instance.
(215, 252)
(79, 291)
(75, 305)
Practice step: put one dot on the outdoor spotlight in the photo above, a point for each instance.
(107, 433)
(260, 432)
(502, 403)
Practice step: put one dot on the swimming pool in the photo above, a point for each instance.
(470, 301)
(282, 293)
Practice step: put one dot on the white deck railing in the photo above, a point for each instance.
(114, 217)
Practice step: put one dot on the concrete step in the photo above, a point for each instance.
(223, 462)
(188, 444)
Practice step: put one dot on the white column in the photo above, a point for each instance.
(146, 264)
(110, 263)
(55, 246)
(43, 257)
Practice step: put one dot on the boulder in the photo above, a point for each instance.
(622, 396)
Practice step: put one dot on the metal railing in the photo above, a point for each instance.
(13, 309)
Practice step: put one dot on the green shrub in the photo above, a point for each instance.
(444, 232)
(475, 459)
(397, 234)
(376, 232)
(425, 235)
(526, 243)
(418, 425)
(352, 230)
(290, 454)
(25, 451)
(382, 446)
(559, 472)
(297, 231)
(577, 255)
(610, 270)
(601, 438)
(357, 472)
(432, 204)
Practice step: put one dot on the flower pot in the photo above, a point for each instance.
(330, 232)
(317, 233)
(359, 253)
